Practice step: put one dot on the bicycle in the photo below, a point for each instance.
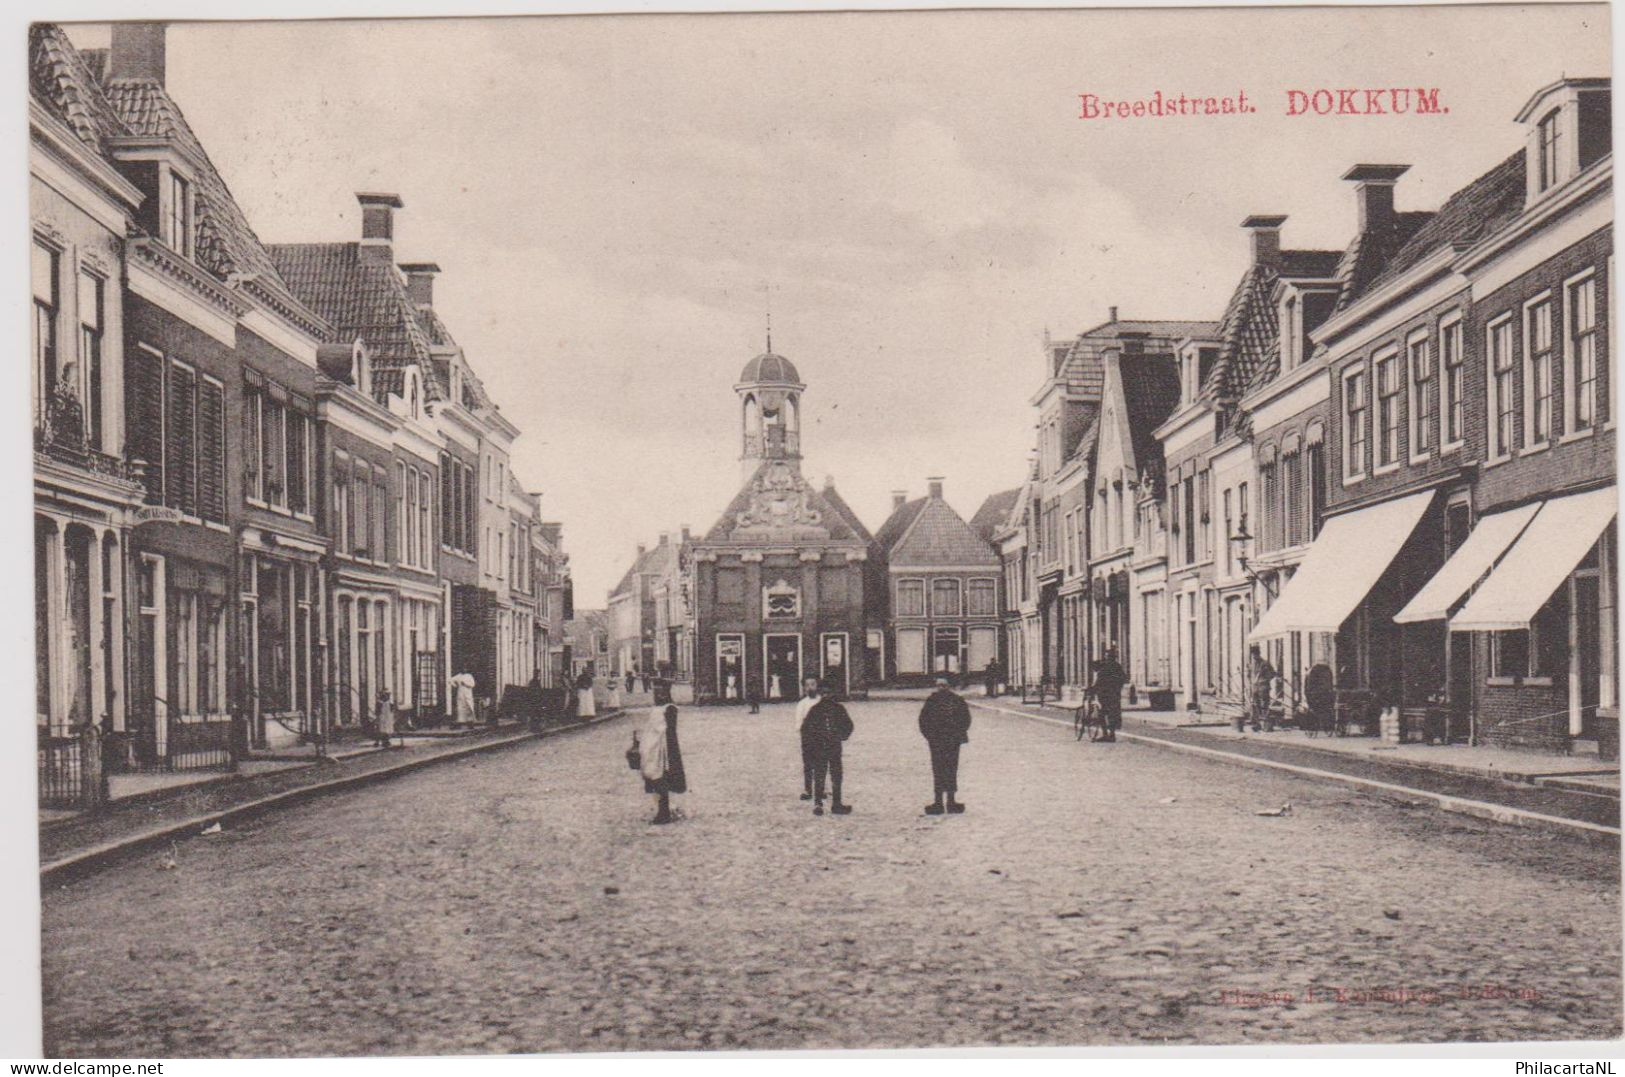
(1089, 717)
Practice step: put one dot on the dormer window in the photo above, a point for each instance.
(176, 211)
(1547, 149)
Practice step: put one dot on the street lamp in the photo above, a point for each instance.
(1241, 538)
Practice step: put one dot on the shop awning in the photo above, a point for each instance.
(1548, 550)
(1345, 562)
(1484, 546)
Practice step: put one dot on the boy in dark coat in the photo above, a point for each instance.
(945, 725)
(827, 725)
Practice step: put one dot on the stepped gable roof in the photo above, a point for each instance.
(67, 81)
(940, 536)
(770, 368)
(995, 510)
(226, 243)
(365, 298)
(834, 515)
(1249, 326)
(1477, 210)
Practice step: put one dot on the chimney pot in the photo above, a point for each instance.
(642, 549)
(136, 51)
(934, 486)
(1374, 193)
(665, 538)
(1266, 233)
(686, 536)
(899, 498)
(1113, 317)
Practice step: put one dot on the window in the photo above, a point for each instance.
(361, 511)
(425, 527)
(1419, 358)
(1230, 529)
(1205, 507)
(1290, 333)
(300, 454)
(983, 597)
(1291, 479)
(945, 600)
(340, 522)
(176, 229)
(1354, 423)
(1315, 471)
(1547, 136)
(1499, 358)
(406, 492)
(46, 262)
(1388, 386)
(1270, 529)
(1581, 350)
(911, 598)
(1189, 498)
(176, 420)
(1451, 356)
(1537, 327)
(1541, 650)
(91, 290)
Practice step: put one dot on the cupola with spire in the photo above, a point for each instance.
(769, 390)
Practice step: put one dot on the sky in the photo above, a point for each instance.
(616, 201)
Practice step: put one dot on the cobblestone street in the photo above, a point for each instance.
(1092, 894)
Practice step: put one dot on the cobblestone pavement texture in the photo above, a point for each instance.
(1093, 894)
(123, 818)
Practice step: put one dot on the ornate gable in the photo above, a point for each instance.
(779, 504)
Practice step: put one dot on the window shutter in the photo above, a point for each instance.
(144, 416)
(211, 479)
(180, 448)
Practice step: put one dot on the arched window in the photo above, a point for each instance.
(792, 412)
(1269, 535)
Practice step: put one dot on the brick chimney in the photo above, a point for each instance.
(378, 224)
(686, 536)
(899, 498)
(136, 52)
(1266, 238)
(665, 538)
(933, 487)
(420, 282)
(1113, 314)
(642, 549)
(1374, 193)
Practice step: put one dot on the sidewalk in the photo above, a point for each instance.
(153, 813)
(1573, 794)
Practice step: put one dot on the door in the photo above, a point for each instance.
(835, 673)
(945, 656)
(730, 666)
(782, 659)
(910, 650)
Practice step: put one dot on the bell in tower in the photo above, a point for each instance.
(769, 391)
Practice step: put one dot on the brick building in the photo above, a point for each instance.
(943, 588)
(786, 583)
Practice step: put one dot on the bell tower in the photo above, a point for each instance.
(769, 391)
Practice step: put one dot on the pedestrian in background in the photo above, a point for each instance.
(826, 728)
(753, 697)
(994, 674)
(810, 694)
(629, 675)
(462, 698)
(1263, 676)
(614, 694)
(945, 725)
(663, 772)
(384, 719)
(1108, 690)
(586, 705)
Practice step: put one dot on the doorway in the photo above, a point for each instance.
(782, 665)
(836, 673)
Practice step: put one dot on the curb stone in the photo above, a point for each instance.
(86, 861)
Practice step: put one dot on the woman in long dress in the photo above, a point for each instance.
(663, 772)
(587, 706)
(614, 694)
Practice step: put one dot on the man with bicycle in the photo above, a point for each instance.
(1108, 691)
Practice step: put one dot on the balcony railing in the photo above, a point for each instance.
(59, 432)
